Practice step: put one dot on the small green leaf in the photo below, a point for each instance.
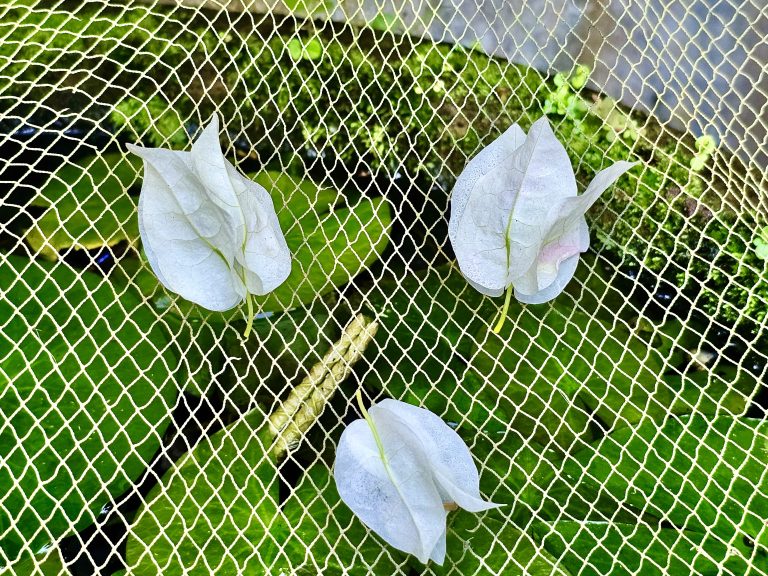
(299, 49)
(88, 206)
(86, 390)
(699, 475)
(761, 244)
(602, 548)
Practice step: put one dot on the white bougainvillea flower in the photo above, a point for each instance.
(516, 220)
(210, 234)
(400, 470)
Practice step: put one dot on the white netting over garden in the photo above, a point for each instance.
(622, 424)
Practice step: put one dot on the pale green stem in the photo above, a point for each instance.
(306, 402)
(371, 425)
(507, 300)
(249, 324)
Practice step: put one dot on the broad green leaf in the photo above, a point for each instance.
(295, 198)
(305, 49)
(602, 549)
(324, 537)
(426, 324)
(86, 389)
(46, 564)
(699, 475)
(328, 250)
(278, 354)
(553, 363)
(519, 473)
(213, 511)
(217, 511)
(537, 366)
(436, 305)
(489, 544)
(719, 390)
(88, 206)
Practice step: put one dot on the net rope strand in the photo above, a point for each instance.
(371, 101)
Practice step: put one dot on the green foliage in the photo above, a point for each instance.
(426, 326)
(87, 206)
(533, 399)
(45, 564)
(486, 544)
(608, 548)
(700, 475)
(761, 244)
(312, 49)
(705, 146)
(280, 351)
(564, 99)
(330, 247)
(219, 508)
(421, 107)
(82, 417)
(154, 121)
(214, 508)
(553, 368)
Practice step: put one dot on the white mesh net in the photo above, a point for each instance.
(622, 424)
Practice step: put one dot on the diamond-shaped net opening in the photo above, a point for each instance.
(622, 424)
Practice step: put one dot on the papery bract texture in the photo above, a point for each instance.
(398, 485)
(516, 219)
(210, 234)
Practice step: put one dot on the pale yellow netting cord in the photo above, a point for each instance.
(166, 413)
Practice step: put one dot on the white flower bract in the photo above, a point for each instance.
(516, 219)
(210, 234)
(398, 469)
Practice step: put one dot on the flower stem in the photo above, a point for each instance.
(507, 299)
(249, 324)
(375, 432)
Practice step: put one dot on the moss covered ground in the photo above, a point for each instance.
(393, 104)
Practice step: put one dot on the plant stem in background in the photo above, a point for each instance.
(306, 402)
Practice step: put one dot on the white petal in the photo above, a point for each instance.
(546, 269)
(400, 502)
(571, 210)
(544, 179)
(265, 256)
(448, 455)
(567, 237)
(565, 274)
(186, 237)
(211, 168)
(477, 224)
